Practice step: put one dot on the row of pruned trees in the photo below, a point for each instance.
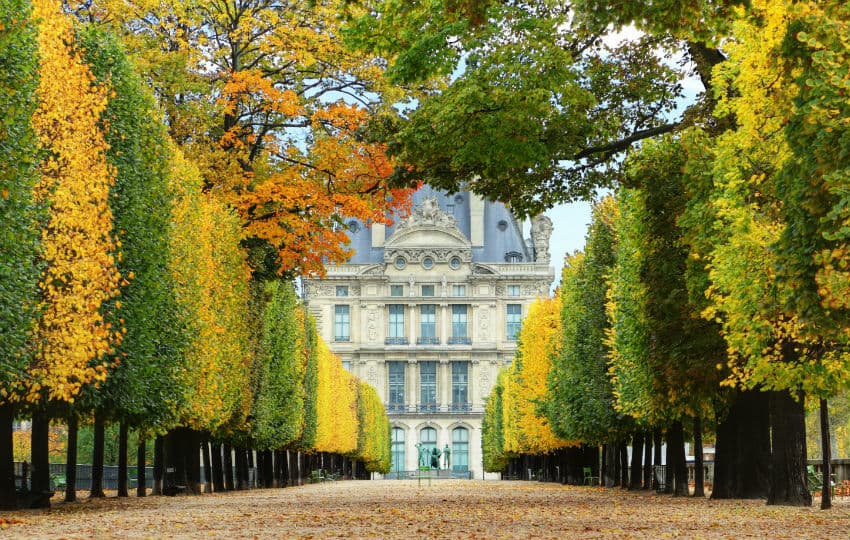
(132, 294)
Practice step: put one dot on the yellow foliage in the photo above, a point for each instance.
(526, 431)
(336, 405)
(77, 245)
(211, 277)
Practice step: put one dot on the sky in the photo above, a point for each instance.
(570, 223)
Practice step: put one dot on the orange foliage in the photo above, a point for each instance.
(77, 243)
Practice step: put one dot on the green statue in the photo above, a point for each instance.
(447, 457)
(423, 454)
(435, 458)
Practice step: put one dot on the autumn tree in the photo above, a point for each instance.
(580, 404)
(72, 337)
(19, 216)
(265, 99)
(336, 405)
(813, 245)
(143, 389)
(492, 430)
(373, 439)
(526, 431)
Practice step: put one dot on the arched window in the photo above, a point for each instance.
(428, 438)
(460, 449)
(398, 449)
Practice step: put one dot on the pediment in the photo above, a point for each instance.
(428, 227)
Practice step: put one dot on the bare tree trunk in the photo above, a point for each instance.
(217, 468)
(8, 494)
(699, 473)
(141, 481)
(97, 458)
(826, 450)
(207, 458)
(788, 474)
(637, 455)
(71, 459)
(158, 465)
(647, 460)
(228, 467)
(122, 460)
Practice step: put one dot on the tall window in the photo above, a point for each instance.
(460, 386)
(396, 382)
(428, 385)
(395, 332)
(514, 321)
(428, 438)
(427, 324)
(460, 449)
(513, 290)
(458, 290)
(459, 324)
(427, 290)
(396, 290)
(398, 449)
(342, 324)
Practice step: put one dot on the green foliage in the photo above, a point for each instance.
(373, 438)
(539, 108)
(580, 403)
(664, 356)
(279, 399)
(492, 428)
(19, 215)
(143, 388)
(311, 381)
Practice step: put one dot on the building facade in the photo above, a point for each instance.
(427, 311)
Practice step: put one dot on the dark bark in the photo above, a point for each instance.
(217, 468)
(826, 451)
(647, 460)
(158, 464)
(97, 458)
(40, 464)
(676, 458)
(228, 467)
(141, 459)
(699, 473)
(8, 496)
(279, 468)
(742, 450)
(637, 455)
(788, 474)
(192, 456)
(268, 468)
(624, 464)
(122, 460)
(71, 459)
(205, 454)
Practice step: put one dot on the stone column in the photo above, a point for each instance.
(444, 382)
(411, 396)
(412, 331)
(444, 323)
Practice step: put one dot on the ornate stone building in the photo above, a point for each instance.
(427, 311)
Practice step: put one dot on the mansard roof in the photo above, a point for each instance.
(444, 220)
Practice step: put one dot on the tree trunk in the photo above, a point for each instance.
(268, 469)
(141, 481)
(699, 473)
(40, 464)
(71, 459)
(192, 454)
(610, 465)
(788, 474)
(624, 464)
(742, 451)
(241, 465)
(122, 460)
(637, 455)
(217, 468)
(8, 495)
(228, 467)
(826, 450)
(158, 465)
(647, 460)
(676, 458)
(207, 458)
(656, 456)
(97, 458)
